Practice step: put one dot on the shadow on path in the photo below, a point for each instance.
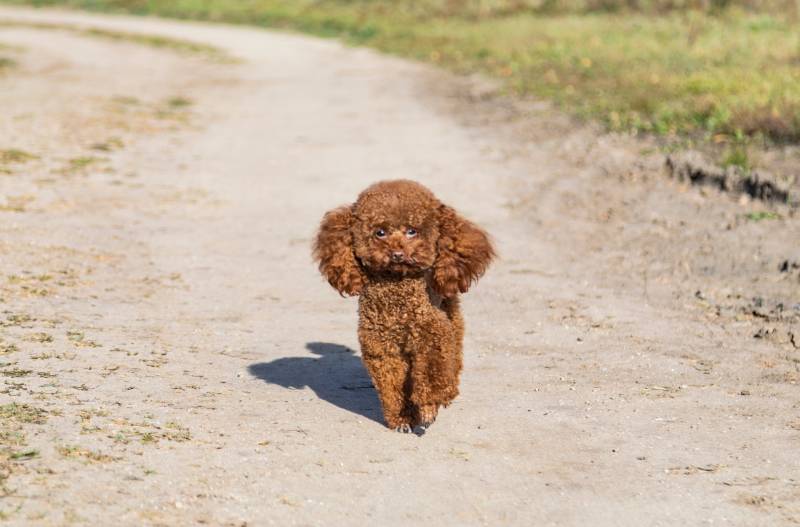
(337, 376)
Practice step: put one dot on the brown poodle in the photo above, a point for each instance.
(407, 256)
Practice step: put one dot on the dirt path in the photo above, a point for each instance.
(171, 356)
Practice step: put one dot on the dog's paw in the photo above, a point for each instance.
(420, 430)
(426, 415)
(404, 428)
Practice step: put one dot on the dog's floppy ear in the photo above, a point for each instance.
(464, 253)
(333, 249)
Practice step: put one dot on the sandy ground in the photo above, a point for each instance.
(170, 355)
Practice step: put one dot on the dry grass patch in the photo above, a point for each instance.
(90, 456)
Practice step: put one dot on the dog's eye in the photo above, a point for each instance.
(380, 233)
(411, 232)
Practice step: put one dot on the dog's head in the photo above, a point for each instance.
(400, 228)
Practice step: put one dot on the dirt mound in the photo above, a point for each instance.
(694, 167)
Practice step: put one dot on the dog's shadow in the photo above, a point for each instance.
(336, 376)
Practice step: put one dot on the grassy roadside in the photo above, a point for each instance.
(728, 74)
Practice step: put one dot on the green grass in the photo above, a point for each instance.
(22, 413)
(23, 455)
(183, 46)
(6, 63)
(156, 41)
(78, 163)
(111, 144)
(15, 155)
(178, 102)
(640, 66)
(737, 155)
(762, 215)
(13, 417)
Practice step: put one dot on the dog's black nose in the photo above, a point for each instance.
(397, 256)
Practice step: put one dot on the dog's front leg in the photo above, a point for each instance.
(435, 367)
(389, 371)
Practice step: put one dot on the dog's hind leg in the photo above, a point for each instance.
(452, 308)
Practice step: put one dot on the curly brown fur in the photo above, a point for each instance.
(408, 257)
